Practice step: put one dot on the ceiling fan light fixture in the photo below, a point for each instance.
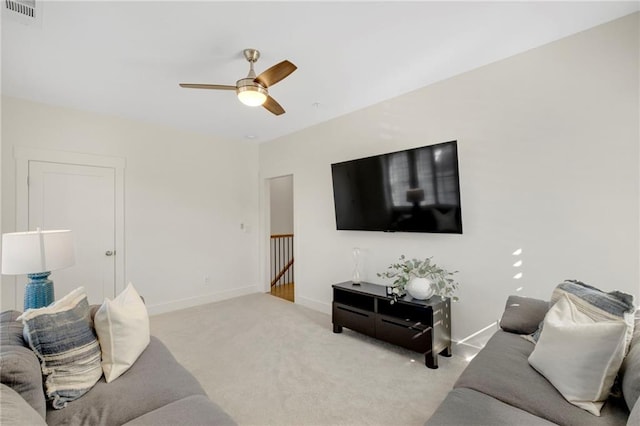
(253, 90)
(251, 93)
(252, 97)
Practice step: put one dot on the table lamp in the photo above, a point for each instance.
(36, 254)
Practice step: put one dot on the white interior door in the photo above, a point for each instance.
(80, 198)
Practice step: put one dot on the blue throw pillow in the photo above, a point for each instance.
(63, 338)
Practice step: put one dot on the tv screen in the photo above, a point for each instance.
(416, 190)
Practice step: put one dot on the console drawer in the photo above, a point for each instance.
(353, 318)
(408, 334)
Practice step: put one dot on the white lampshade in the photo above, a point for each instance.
(252, 95)
(36, 251)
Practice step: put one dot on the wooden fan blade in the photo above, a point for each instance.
(273, 106)
(207, 86)
(275, 73)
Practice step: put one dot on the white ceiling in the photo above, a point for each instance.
(127, 58)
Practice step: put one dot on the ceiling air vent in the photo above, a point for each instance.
(23, 7)
(26, 11)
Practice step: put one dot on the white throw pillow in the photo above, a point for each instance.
(122, 325)
(578, 355)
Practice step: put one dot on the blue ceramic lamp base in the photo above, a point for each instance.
(39, 291)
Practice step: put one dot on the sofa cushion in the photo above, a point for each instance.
(630, 371)
(634, 416)
(122, 325)
(580, 357)
(192, 410)
(20, 370)
(156, 379)
(502, 370)
(19, 366)
(11, 329)
(63, 338)
(466, 407)
(522, 315)
(16, 411)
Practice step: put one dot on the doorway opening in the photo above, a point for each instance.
(281, 258)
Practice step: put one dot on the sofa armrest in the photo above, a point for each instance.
(16, 411)
(523, 314)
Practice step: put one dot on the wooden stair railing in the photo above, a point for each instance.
(281, 258)
(282, 272)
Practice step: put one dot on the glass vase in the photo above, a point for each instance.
(355, 278)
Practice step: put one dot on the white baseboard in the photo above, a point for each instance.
(323, 307)
(190, 302)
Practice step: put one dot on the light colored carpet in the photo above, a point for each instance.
(267, 361)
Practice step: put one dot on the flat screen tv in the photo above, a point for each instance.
(416, 190)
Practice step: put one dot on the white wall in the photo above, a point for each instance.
(548, 150)
(185, 197)
(281, 200)
(2, 283)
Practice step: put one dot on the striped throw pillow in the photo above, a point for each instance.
(598, 305)
(63, 338)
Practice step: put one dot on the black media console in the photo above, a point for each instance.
(420, 325)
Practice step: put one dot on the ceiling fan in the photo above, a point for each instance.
(252, 90)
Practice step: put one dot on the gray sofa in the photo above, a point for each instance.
(156, 390)
(499, 387)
